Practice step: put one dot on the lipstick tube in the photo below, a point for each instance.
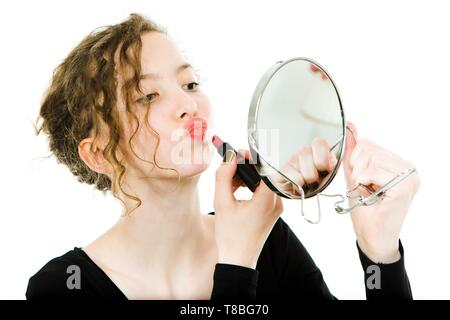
(245, 170)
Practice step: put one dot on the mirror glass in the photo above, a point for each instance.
(296, 128)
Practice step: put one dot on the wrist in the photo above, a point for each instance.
(382, 253)
(239, 261)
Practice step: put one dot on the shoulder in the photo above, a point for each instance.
(57, 278)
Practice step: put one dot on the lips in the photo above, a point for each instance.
(196, 127)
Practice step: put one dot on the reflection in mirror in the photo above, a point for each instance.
(297, 126)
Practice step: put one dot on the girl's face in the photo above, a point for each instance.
(169, 82)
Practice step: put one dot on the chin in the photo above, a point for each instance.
(193, 169)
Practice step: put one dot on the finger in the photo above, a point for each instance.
(285, 185)
(245, 154)
(374, 176)
(292, 173)
(380, 159)
(332, 160)
(224, 182)
(290, 169)
(365, 147)
(351, 142)
(321, 154)
(306, 163)
(264, 195)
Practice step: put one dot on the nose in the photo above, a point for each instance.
(187, 106)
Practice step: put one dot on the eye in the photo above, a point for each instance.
(193, 85)
(147, 99)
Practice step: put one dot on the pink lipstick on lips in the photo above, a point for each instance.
(245, 170)
(197, 127)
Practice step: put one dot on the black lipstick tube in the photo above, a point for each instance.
(245, 170)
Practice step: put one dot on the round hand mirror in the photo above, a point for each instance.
(295, 111)
(296, 134)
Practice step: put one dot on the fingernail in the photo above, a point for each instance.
(229, 156)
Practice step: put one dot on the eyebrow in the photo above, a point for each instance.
(157, 76)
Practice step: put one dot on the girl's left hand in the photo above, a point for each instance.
(378, 226)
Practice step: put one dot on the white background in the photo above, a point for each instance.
(389, 59)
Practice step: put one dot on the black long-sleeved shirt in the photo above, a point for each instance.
(284, 270)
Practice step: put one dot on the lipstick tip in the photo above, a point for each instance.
(217, 142)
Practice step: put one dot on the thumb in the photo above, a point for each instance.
(351, 141)
(224, 180)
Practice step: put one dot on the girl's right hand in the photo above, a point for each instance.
(242, 226)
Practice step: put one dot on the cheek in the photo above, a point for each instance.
(142, 141)
(155, 135)
(172, 138)
(205, 106)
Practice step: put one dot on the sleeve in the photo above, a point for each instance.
(385, 281)
(301, 277)
(48, 285)
(51, 282)
(233, 281)
(297, 275)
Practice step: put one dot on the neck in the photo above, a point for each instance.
(166, 225)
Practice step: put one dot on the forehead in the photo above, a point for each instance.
(159, 53)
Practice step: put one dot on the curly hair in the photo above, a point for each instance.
(82, 99)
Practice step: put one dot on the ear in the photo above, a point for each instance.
(92, 154)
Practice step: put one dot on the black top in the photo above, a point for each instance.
(284, 270)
